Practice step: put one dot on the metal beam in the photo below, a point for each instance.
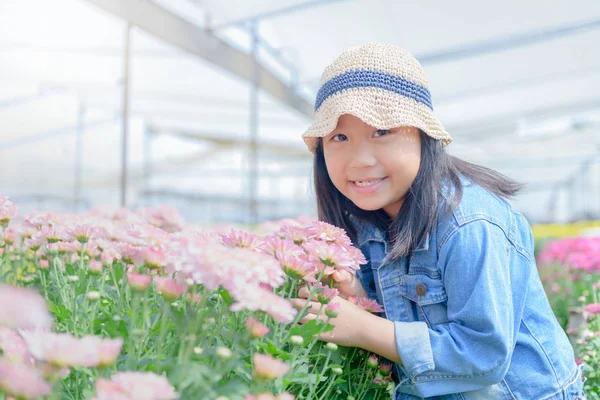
(165, 25)
(480, 48)
(507, 123)
(125, 116)
(233, 141)
(275, 13)
(50, 134)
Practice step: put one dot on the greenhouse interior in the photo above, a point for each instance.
(164, 233)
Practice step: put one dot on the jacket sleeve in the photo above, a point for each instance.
(473, 350)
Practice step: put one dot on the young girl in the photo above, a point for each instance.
(451, 262)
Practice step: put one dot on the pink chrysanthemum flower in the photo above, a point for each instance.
(108, 390)
(39, 219)
(148, 235)
(10, 236)
(135, 386)
(23, 308)
(13, 347)
(169, 288)
(108, 350)
(130, 254)
(332, 309)
(373, 361)
(331, 255)
(256, 329)
(267, 367)
(325, 294)
(255, 299)
(297, 234)
(53, 234)
(261, 267)
(329, 233)
(65, 247)
(80, 232)
(385, 368)
(295, 267)
(279, 247)
(110, 255)
(95, 266)
(8, 211)
(154, 258)
(138, 282)
(34, 243)
(369, 305)
(22, 381)
(240, 238)
(592, 309)
(65, 350)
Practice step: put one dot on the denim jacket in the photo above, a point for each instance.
(471, 318)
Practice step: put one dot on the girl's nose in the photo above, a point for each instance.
(362, 157)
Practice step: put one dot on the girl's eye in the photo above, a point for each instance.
(381, 132)
(340, 137)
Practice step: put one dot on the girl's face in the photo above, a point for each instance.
(373, 168)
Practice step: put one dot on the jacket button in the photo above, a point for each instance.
(421, 289)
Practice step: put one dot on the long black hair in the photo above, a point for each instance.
(418, 213)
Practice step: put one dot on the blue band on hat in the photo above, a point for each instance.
(375, 79)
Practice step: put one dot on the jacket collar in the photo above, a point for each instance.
(366, 231)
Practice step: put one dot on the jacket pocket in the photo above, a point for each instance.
(428, 295)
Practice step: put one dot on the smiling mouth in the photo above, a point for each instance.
(368, 183)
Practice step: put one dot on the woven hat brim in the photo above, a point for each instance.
(377, 107)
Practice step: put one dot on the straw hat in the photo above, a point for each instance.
(383, 85)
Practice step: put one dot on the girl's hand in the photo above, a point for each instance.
(348, 325)
(348, 284)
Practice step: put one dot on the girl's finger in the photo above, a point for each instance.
(342, 276)
(298, 303)
(313, 306)
(303, 292)
(308, 317)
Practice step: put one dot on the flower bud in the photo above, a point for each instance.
(331, 346)
(93, 295)
(223, 353)
(297, 340)
(332, 309)
(373, 361)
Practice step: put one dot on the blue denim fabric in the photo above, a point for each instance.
(471, 318)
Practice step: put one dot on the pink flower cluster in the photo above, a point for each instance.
(579, 253)
(30, 352)
(135, 238)
(23, 308)
(135, 386)
(65, 350)
(267, 367)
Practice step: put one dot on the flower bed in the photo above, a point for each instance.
(137, 305)
(570, 271)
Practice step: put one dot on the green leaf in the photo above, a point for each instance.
(233, 388)
(311, 328)
(226, 297)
